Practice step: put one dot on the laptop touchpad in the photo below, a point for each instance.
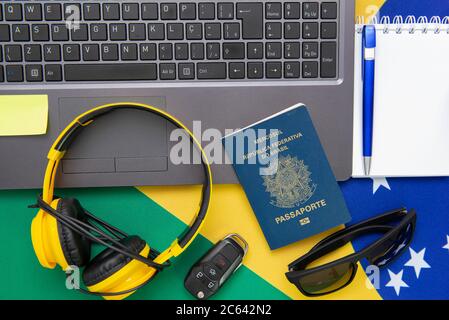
(118, 142)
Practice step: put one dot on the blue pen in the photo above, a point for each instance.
(368, 73)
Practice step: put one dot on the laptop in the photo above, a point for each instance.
(224, 63)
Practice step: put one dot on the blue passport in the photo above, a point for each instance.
(286, 176)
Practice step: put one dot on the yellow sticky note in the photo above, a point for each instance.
(23, 115)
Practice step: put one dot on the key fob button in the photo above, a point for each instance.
(211, 284)
(211, 272)
(221, 262)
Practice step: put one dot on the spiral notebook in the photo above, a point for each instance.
(411, 100)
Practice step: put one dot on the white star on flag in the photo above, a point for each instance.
(380, 182)
(447, 245)
(417, 261)
(396, 281)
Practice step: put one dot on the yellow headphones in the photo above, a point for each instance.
(62, 231)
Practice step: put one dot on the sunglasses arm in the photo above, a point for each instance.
(334, 242)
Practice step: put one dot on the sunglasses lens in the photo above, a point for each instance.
(328, 280)
(393, 247)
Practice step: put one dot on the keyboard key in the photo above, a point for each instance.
(20, 32)
(13, 12)
(310, 69)
(234, 50)
(236, 70)
(59, 32)
(213, 31)
(137, 31)
(225, 11)
(186, 71)
(32, 52)
(98, 32)
(72, 12)
(156, 31)
(117, 31)
(310, 10)
(147, 51)
(175, 31)
(292, 30)
(255, 70)
(197, 51)
(109, 52)
(2, 78)
(149, 11)
(273, 70)
(273, 30)
(328, 59)
(91, 52)
(13, 53)
(291, 70)
(187, 11)
(291, 50)
(273, 50)
(52, 52)
(80, 33)
(251, 14)
(211, 70)
(310, 50)
(231, 31)
(310, 30)
(181, 51)
(53, 72)
(169, 11)
(130, 11)
(194, 31)
(52, 12)
(273, 10)
(329, 10)
(4, 33)
(291, 10)
(255, 50)
(110, 72)
(33, 73)
(14, 73)
(71, 52)
(167, 71)
(111, 11)
(91, 11)
(329, 30)
(128, 51)
(165, 51)
(40, 32)
(33, 11)
(213, 51)
(206, 11)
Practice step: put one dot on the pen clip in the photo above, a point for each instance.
(363, 52)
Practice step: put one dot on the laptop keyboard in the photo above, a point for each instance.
(69, 41)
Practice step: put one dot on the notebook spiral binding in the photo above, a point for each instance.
(410, 24)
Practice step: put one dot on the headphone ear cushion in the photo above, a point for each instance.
(75, 247)
(110, 261)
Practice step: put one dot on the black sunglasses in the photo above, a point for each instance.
(338, 274)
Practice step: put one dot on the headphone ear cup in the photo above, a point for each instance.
(112, 271)
(75, 247)
(56, 244)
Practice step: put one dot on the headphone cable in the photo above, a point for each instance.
(77, 226)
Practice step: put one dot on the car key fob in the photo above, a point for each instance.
(207, 276)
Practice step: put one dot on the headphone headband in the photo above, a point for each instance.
(66, 137)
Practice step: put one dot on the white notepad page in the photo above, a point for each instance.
(411, 108)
